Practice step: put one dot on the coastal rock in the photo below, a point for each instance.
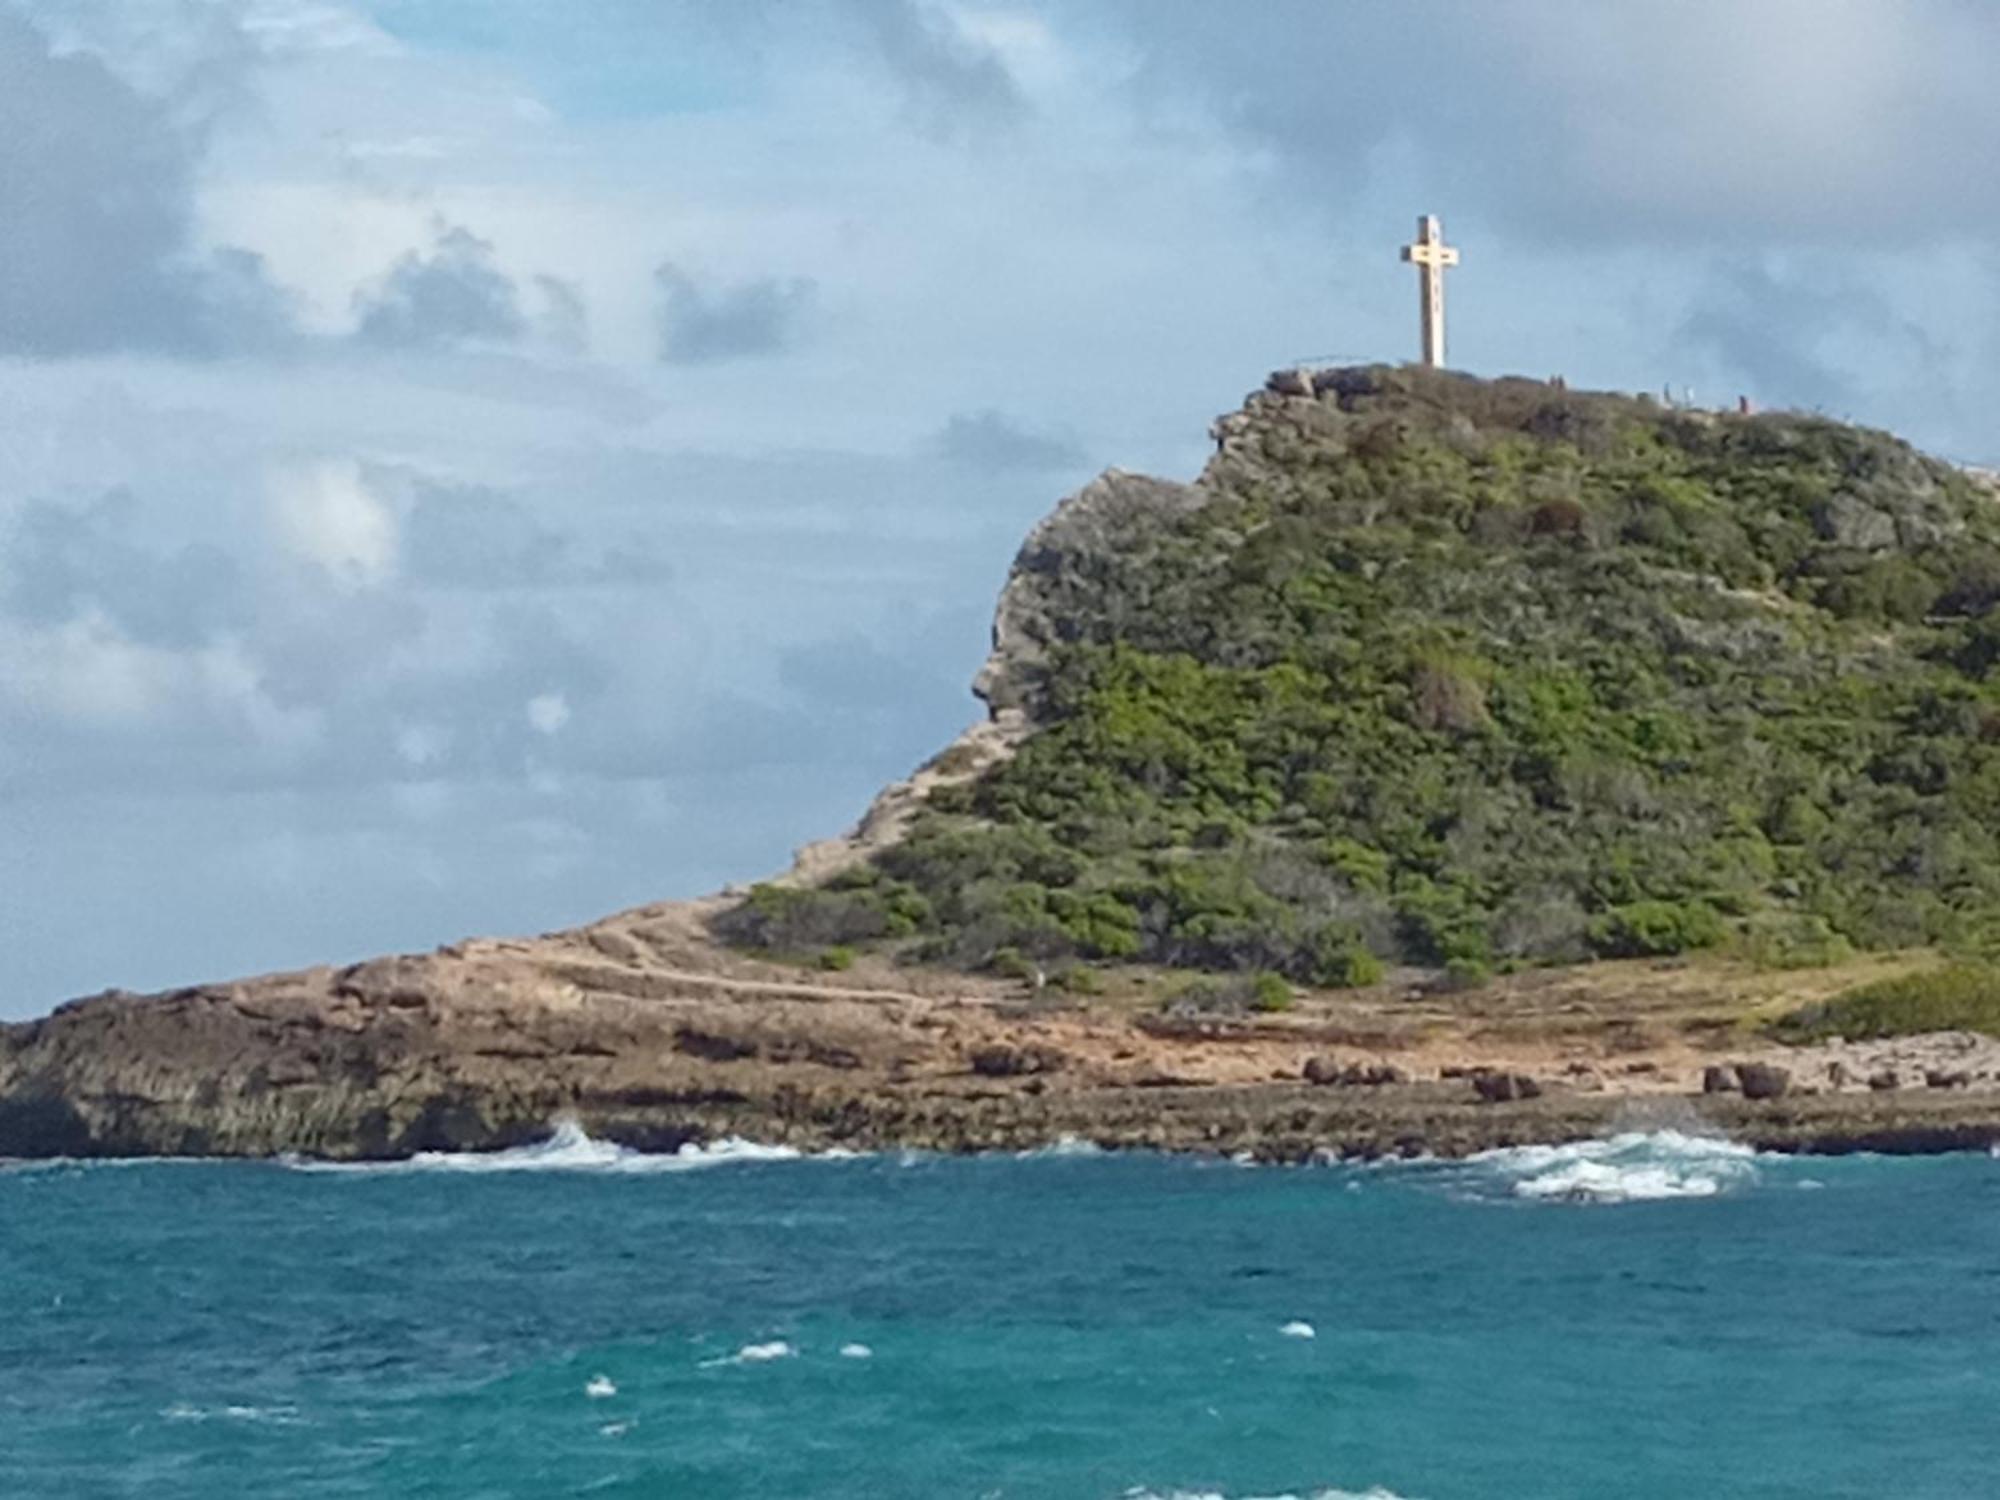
(1763, 1080)
(1325, 1070)
(1001, 1060)
(1719, 1078)
(1505, 1088)
(1373, 1075)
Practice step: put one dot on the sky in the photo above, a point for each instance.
(468, 466)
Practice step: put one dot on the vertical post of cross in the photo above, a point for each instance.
(1430, 255)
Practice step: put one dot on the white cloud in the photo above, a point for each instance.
(422, 745)
(328, 515)
(548, 713)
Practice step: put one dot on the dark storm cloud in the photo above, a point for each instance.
(990, 440)
(702, 324)
(453, 294)
(96, 188)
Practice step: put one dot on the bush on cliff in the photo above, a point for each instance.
(1472, 674)
(1961, 997)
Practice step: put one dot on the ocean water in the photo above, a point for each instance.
(1650, 1316)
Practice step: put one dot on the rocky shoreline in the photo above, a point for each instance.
(650, 1036)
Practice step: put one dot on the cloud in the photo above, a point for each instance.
(548, 713)
(449, 296)
(460, 537)
(989, 440)
(63, 563)
(700, 325)
(329, 515)
(1810, 336)
(97, 249)
(1707, 120)
(564, 322)
(953, 84)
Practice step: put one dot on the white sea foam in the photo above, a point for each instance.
(1299, 1329)
(1375, 1493)
(275, 1416)
(569, 1149)
(1061, 1146)
(755, 1354)
(856, 1351)
(1633, 1167)
(600, 1387)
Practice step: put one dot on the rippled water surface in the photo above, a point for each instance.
(1650, 1316)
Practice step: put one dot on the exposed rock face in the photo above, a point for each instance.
(1115, 512)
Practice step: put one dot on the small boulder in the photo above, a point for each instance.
(1884, 1080)
(1763, 1080)
(1505, 1088)
(1321, 1070)
(1002, 1061)
(1372, 1075)
(1947, 1078)
(1719, 1078)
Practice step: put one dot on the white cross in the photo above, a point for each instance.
(1430, 254)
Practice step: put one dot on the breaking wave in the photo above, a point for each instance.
(568, 1149)
(1062, 1146)
(1638, 1166)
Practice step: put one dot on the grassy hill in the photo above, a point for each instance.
(1471, 675)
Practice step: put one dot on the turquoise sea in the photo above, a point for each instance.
(1652, 1316)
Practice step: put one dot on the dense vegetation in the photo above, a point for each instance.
(1962, 997)
(1472, 674)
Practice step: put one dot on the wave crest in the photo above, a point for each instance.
(568, 1149)
(1638, 1166)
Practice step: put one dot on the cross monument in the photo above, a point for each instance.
(1430, 255)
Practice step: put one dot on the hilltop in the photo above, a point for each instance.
(1453, 763)
(1471, 676)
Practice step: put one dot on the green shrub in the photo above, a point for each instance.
(837, 958)
(1961, 997)
(1229, 995)
(1011, 963)
(1651, 929)
(1270, 992)
(1080, 981)
(1793, 941)
(1343, 963)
